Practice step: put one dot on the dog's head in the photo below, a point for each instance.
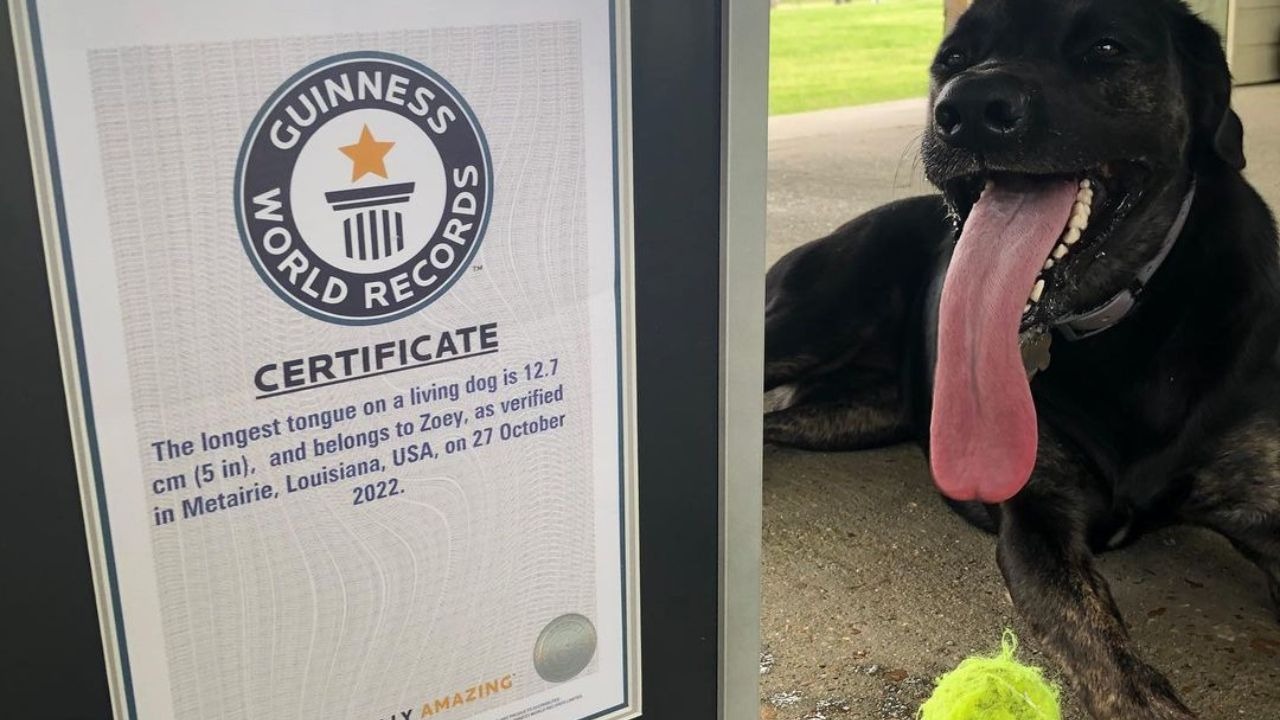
(1130, 97)
(1065, 135)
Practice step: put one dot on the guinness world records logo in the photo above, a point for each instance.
(363, 188)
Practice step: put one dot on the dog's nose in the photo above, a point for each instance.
(982, 112)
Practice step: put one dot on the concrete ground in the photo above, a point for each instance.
(872, 587)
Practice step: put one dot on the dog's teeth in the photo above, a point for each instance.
(1079, 215)
(1059, 252)
(1026, 308)
(1037, 291)
(1072, 236)
(1085, 184)
(1085, 197)
(1048, 264)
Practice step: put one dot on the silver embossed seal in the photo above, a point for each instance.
(564, 648)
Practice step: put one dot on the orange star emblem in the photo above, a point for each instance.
(368, 155)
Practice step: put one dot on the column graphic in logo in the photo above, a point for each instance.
(363, 188)
(374, 230)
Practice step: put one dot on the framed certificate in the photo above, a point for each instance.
(353, 333)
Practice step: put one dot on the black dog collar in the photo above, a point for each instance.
(1103, 317)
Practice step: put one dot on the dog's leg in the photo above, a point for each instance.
(873, 417)
(1237, 494)
(778, 373)
(1049, 568)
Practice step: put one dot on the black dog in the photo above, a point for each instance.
(1089, 164)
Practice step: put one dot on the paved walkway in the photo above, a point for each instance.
(872, 587)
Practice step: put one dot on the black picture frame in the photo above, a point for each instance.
(51, 659)
(676, 87)
(51, 656)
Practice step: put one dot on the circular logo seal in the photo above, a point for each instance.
(564, 648)
(363, 188)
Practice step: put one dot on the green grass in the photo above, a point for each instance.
(826, 55)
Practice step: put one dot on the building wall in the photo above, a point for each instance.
(1254, 43)
(1215, 11)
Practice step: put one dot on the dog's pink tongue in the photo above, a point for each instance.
(983, 434)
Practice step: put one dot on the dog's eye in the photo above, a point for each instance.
(1106, 49)
(954, 59)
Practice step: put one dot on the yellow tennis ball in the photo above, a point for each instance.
(993, 688)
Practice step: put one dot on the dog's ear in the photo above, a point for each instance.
(1228, 142)
(1216, 128)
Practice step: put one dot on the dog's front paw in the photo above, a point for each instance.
(1144, 695)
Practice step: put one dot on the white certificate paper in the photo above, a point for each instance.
(344, 291)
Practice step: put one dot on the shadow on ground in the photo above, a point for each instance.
(872, 587)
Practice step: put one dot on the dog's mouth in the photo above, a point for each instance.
(1105, 195)
(1027, 243)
